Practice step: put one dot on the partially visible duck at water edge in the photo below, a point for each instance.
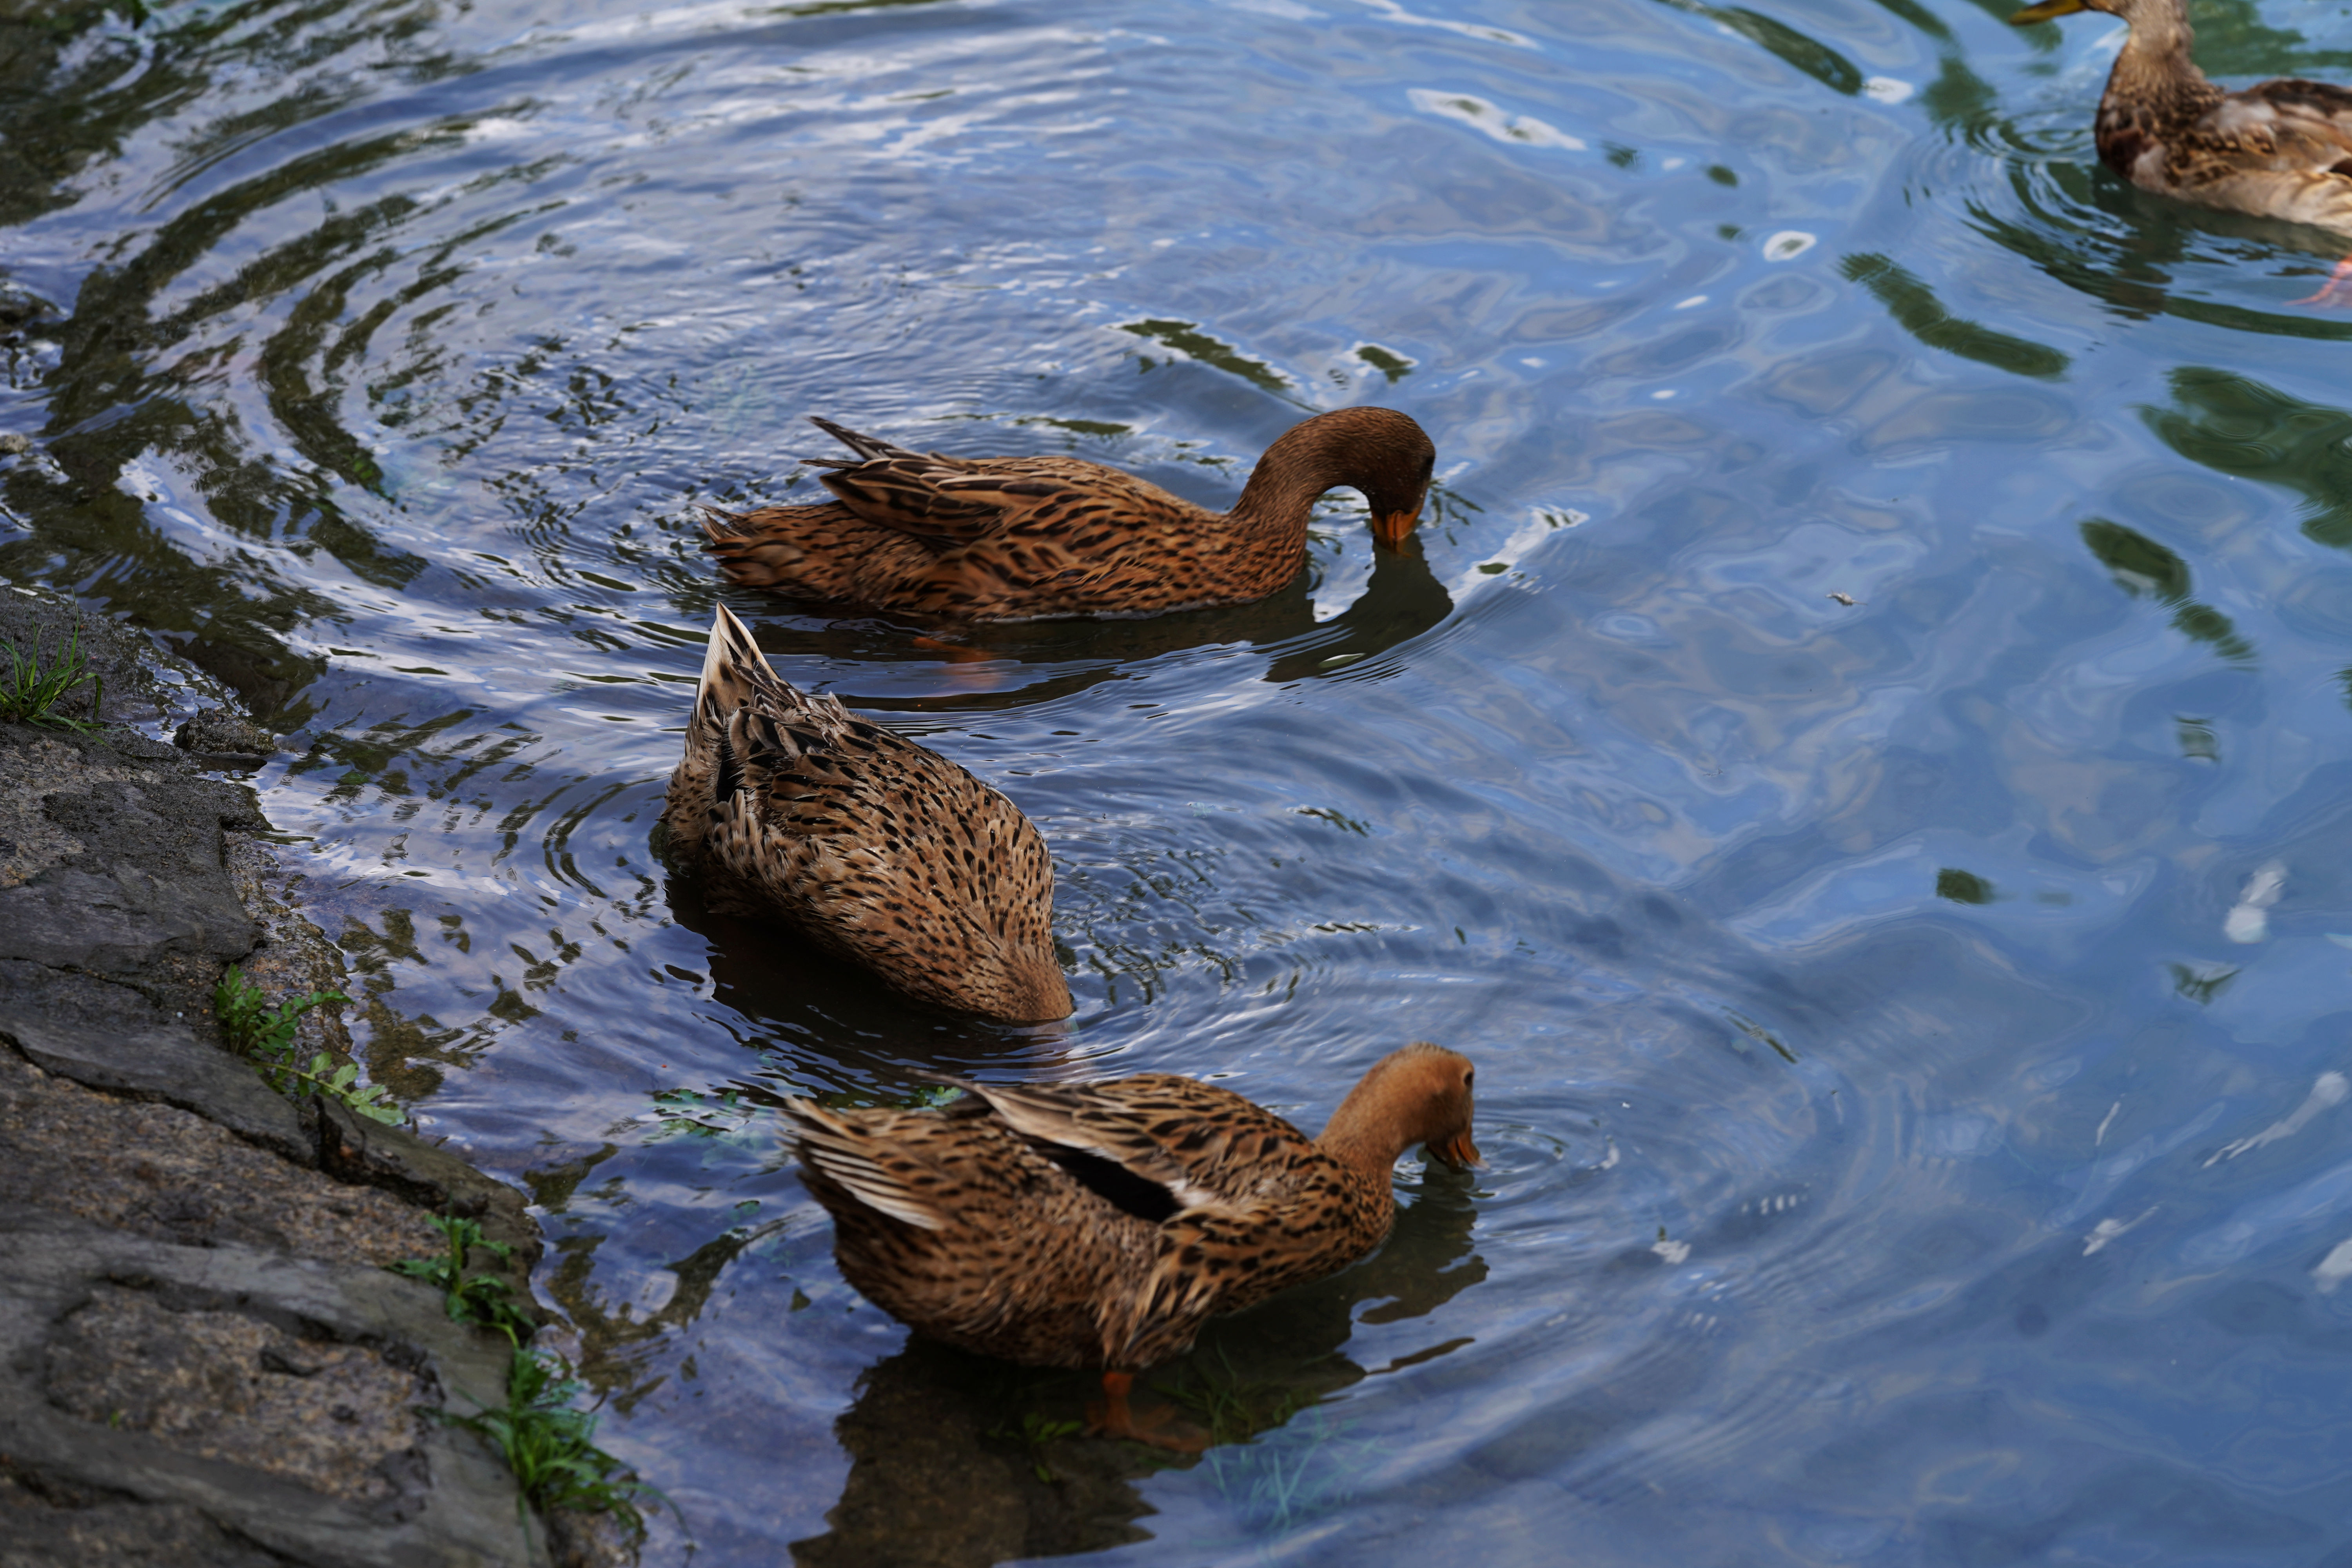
(1102, 1225)
(872, 846)
(2279, 149)
(1014, 539)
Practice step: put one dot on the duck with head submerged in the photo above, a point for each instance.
(877, 849)
(1102, 1225)
(1025, 538)
(2279, 149)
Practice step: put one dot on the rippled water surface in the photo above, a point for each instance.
(1911, 1031)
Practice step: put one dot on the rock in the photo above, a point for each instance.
(44, 1523)
(163, 1172)
(166, 1063)
(217, 738)
(355, 1149)
(228, 1329)
(34, 620)
(203, 1363)
(109, 867)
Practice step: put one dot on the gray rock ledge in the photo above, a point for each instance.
(203, 1361)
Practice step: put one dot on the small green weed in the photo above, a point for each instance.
(551, 1447)
(29, 690)
(483, 1298)
(1234, 1411)
(1034, 1433)
(265, 1036)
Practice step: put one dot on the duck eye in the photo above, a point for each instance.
(1470, 1077)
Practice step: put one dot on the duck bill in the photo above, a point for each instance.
(1458, 1151)
(2048, 10)
(1391, 528)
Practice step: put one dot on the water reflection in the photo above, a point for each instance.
(1400, 600)
(2236, 424)
(378, 353)
(960, 1462)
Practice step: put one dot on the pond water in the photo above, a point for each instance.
(1912, 1033)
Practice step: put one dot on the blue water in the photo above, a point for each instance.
(1912, 1033)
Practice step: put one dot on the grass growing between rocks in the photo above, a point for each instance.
(551, 1447)
(30, 691)
(479, 1299)
(265, 1036)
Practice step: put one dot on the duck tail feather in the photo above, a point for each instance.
(867, 447)
(838, 1150)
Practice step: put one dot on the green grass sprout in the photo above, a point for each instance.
(30, 691)
(551, 1447)
(1034, 1432)
(265, 1036)
(483, 1298)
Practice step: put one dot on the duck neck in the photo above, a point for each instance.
(1280, 497)
(2155, 67)
(1366, 1135)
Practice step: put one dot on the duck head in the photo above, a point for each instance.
(1382, 453)
(2134, 11)
(1420, 1095)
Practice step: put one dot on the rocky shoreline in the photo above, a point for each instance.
(205, 1360)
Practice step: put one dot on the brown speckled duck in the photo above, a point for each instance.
(884, 852)
(1102, 1225)
(2279, 149)
(1024, 538)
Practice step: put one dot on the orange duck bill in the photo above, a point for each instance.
(1457, 1151)
(1391, 528)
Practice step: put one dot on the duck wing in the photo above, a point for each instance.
(1255, 1206)
(940, 501)
(949, 502)
(1206, 1147)
(2280, 148)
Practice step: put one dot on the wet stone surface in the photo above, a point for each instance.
(339, 1419)
(202, 1360)
(159, 1172)
(43, 1523)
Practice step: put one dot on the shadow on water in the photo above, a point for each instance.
(959, 1462)
(830, 1024)
(1402, 600)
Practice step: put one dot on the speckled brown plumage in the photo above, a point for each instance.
(1102, 1225)
(875, 847)
(1013, 539)
(2279, 149)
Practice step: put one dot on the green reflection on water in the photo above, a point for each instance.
(2141, 565)
(2200, 983)
(1962, 887)
(2239, 426)
(1807, 54)
(1916, 310)
(1187, 339)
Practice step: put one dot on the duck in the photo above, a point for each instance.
(875, 849)
(2280, 148)
(1100, 1226)
(1026, 539)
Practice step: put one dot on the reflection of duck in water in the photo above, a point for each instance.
(1042, 660)
(876, 848)
(1009, 539)
(1002, 1475)
(2279, 149)
(1103, 1224)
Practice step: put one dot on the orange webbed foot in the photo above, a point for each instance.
(1113, 1418)
(954, 653)
(2336, 291)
